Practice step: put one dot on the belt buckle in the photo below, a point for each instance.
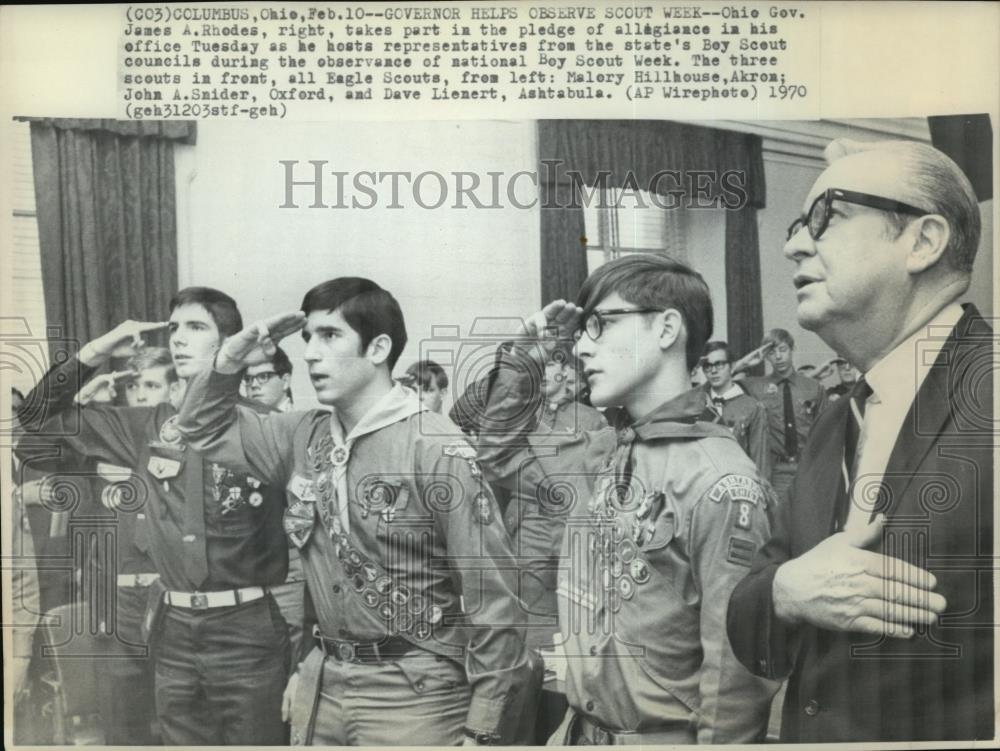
(199, 601)
(345, 651)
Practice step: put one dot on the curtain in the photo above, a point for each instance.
(106, 210)
(629, 154)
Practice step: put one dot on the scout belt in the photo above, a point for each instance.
(205, 600)
(595, 735)
(363, 652)
(136, 580)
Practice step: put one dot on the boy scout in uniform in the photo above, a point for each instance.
(536, 523)
(219, 644)
(728, 404)
(405, 554)
(668, 515)
(792, 400)
(126, 695)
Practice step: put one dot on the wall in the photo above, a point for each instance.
(788, 182)
(445, 266)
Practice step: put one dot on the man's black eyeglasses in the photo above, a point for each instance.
(716, 365)
(818, 217)
(596, 321)
(259, 379)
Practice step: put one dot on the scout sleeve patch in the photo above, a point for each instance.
(739, 488)
(741, 551)
(462, 450)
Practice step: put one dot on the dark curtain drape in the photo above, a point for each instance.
(629, 153)
(968, 139)
(106, 210)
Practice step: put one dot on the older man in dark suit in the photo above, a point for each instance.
(876, 592)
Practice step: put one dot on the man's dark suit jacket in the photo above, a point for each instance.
(938, 685)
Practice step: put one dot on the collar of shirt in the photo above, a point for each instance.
(398, 404)
(790, 377)
(731, 393)
(897, 377)
(285, 405)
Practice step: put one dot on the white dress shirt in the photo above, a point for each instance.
(895, 381)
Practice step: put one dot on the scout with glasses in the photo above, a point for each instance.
(270, 382)
(666, 512)
(876, 598)
(728, 404)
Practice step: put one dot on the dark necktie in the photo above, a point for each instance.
(791, 433)
(195, 555)
(852, 436)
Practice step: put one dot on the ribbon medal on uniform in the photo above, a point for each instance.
(219, 476)
(233, 499)
(484, 509)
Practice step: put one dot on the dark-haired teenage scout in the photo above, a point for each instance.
(668, 514)
(219, 644)
(405, 553)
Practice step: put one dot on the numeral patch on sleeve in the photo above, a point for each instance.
(743, 510)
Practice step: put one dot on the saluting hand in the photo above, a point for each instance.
(101, 389)
(840, 586)
(559, 320)
(123, 340)
(256, 344)
(752, 359)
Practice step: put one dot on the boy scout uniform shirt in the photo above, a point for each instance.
(667, 517)
(231, 538)
(423, 533)
(808, 400)
(747, 419)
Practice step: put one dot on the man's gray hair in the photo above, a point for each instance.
(936, 184)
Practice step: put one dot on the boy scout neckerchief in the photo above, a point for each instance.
(676, 418)
(396, 405)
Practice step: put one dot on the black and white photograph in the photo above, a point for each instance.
(646, 427)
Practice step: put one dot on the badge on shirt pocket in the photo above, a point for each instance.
(162, 468)
(383, 496)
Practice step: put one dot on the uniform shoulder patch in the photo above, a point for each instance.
(461, 449)
(741, 551)
(737, 488)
